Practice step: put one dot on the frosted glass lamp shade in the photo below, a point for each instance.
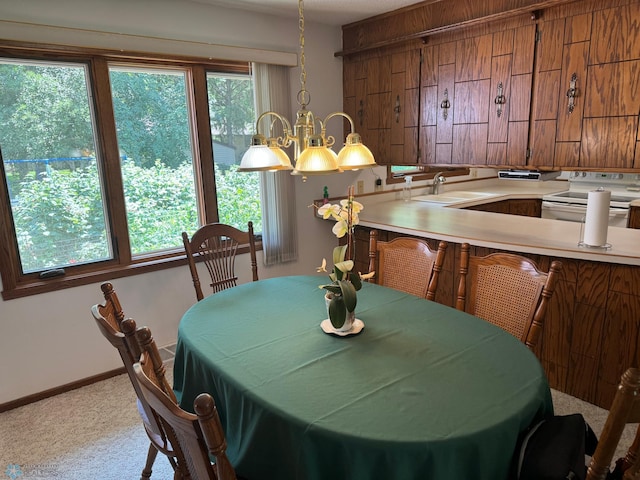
(283, 158)
(317, 161)
(259, 158)
(354, 155)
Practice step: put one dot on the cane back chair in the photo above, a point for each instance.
(507, 290)
(406, 264)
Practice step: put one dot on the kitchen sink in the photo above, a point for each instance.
(453, 197)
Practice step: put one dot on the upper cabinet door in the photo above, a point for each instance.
(367, 86)
(612, 96)
(405, 103)
(586, 90)
(475, 96)
(510, 96)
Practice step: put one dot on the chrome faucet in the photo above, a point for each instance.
(438, 179)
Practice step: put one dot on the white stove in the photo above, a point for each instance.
(571, 204)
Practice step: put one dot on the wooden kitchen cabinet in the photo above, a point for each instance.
(496, 207)
(377, 112)
(475, 98)
(585, 112)
(634, 218)
(588, 48)
(405, 102)
(528, 207)
(441, 108)
(367, 99)
(381, 94)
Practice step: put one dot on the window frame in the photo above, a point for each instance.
(15, 284)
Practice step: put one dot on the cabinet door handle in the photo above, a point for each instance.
(500, 100)
(396, 109)
(361, 112)
(445, 105)
(573, 92)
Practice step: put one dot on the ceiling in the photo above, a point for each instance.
(330, 12)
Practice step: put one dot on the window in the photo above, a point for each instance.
(231, 105)
(107, 160)
(396, 173)
(154, 133)
(50, 168)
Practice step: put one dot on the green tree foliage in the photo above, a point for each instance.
(60, 219)
(151, 116)
(231, 109)
(237, 199)
(44, 112)
(58, 209)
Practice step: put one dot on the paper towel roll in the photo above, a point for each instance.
(596, 222)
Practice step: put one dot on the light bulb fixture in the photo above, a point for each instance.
(312, 150)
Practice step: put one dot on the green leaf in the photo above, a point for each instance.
(349, 295)
(354, 277)
(333, 288)
(345, 266)
(337, 312)
(339, 254)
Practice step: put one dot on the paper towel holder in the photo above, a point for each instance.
(581, 243)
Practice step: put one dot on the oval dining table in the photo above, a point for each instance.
(423, 391)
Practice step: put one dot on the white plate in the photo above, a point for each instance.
(356, 328)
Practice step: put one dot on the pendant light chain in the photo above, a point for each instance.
(303, 95)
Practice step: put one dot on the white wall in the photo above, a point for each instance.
(51, 339)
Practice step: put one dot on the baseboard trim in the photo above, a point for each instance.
(20, 402)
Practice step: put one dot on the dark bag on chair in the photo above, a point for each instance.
(555, 448)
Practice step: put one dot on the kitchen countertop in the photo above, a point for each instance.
(494, 230)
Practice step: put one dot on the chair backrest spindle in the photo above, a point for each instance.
(216, 245)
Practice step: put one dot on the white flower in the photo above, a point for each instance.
(340, 229)
(356, 207)
(328, 210)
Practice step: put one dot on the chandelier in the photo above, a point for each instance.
(312, 148)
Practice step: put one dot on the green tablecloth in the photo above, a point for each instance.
(423, 392)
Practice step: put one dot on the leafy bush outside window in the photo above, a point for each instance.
(106, 178)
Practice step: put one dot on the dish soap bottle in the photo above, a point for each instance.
(406, 189)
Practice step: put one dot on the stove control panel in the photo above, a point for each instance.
(620, 180)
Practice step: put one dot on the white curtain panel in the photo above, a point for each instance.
(279, 231)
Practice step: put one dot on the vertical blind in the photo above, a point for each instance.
(279, 226)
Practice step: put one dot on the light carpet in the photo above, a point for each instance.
(95, 432)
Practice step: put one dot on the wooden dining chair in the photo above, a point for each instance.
(121, 333)
(217, 244)
(507, 290)
(624, 410)
(195, 436)
(406, 264)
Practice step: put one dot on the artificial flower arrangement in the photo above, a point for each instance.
(342, 297)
